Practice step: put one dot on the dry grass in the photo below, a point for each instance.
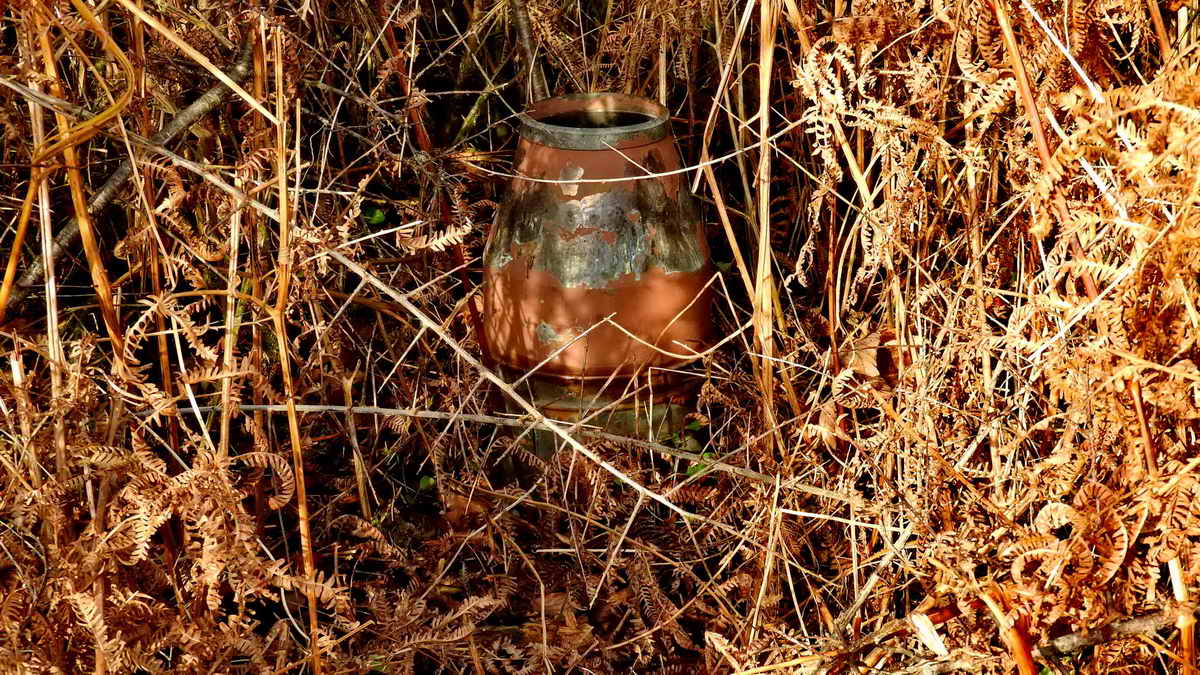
(954, 427)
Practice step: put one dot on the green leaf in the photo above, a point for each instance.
(723, 266)
(694, 425)
(701, 466)
(427, 483)
(373, 215)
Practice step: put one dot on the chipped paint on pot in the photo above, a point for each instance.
(546, 334)
(595, 239)
(570, 172)
(567, 256)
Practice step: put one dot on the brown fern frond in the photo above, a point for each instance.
(284, 477)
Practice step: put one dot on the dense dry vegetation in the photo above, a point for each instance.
(954, 426)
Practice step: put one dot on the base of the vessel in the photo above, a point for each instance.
(642, 408)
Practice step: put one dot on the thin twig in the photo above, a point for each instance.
(284, 274)
(764, 285)
(199, 58)
(865, 593)
(707, 463)
(108, 190)
(68, 138)
(517, 398)
(535, 85)
(53, 339)
(1117, 630)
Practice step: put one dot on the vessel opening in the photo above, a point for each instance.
(596, 119)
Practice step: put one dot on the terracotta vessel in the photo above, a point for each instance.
(571, 263)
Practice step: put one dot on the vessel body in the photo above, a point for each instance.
(595, 274)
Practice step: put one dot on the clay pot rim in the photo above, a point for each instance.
(580, 138)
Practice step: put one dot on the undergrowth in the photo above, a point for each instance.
(955, 427)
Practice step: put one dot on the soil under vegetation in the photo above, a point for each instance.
(953, 427)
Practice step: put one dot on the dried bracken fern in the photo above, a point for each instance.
(968, 422)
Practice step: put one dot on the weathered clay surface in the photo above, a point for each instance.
(574, 267)
(598, 238)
